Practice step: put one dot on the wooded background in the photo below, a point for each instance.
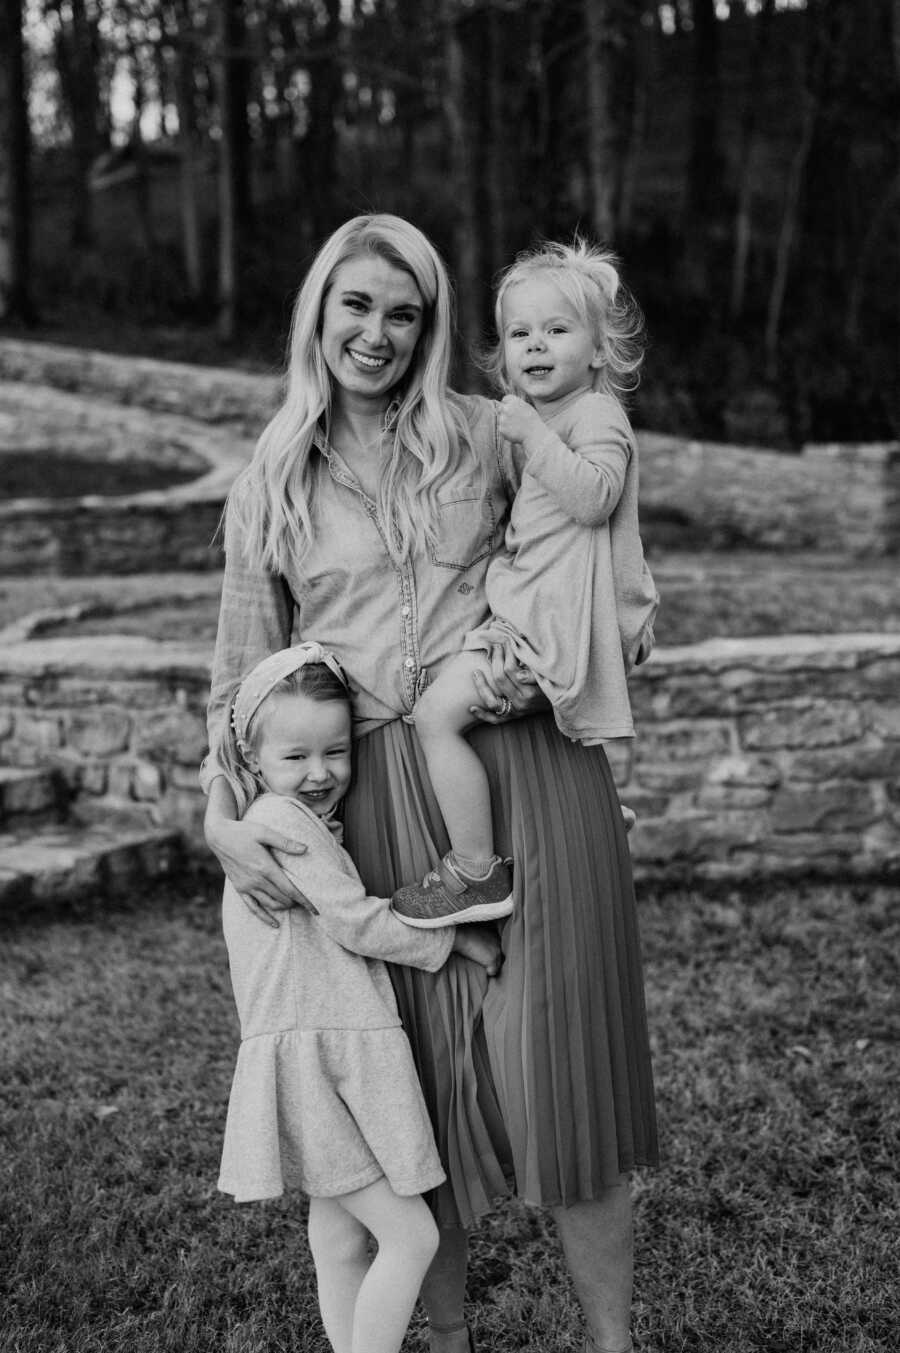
(168, 167)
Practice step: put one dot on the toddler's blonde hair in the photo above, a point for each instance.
(588, 277)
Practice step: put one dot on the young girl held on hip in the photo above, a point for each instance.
(571, 597)
(325, 1096)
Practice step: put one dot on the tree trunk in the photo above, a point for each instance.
(788, 230)
(78, 77)
(704, 158)
(467, 260)
(227, 193)
(324, 97)
(645, 60)
(15, 215)
(611, 27)
(747, 159)
(187, 142)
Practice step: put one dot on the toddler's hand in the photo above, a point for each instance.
(481, 945)
(519, 421)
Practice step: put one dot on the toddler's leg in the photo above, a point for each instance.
(407, 1242)
(472, 883)
(340, 1251)
(442, 717)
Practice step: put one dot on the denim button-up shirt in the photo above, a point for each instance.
(392, 626)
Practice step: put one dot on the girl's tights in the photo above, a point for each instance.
(366, 1304)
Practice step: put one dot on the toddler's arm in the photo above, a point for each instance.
(587, 477)
(365, 925)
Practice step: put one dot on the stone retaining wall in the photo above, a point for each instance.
(836, 498)
(755, 758)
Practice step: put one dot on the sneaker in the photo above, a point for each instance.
(448, 897)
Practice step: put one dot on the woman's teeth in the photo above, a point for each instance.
(374, 363)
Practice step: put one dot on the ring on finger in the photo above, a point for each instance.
(504, 707)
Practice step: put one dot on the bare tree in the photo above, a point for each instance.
(77, 59)
(611, 27)
(747, 152)
(15, 216)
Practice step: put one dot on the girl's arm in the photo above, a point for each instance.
(365, 925)
(586, 478)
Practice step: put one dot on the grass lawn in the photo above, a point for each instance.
(772, 1225)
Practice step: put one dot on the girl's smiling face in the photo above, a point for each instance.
(549, 350)
(371, 322)
(303, 749)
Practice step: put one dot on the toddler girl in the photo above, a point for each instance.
(325, 1097)
(572, 599)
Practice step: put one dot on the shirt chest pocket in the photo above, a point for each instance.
(466, 527)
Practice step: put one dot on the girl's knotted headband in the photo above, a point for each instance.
(268, 674)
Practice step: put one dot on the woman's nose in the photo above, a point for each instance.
(374, 330)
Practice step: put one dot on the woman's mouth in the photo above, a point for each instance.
(365, 360)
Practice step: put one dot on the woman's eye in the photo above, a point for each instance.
(403, 317)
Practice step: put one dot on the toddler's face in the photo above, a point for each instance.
(304, 750)
(548, 350)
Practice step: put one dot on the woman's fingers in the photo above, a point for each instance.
(488, 706)
(259, 910)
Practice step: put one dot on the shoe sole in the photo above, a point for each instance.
(479, 911)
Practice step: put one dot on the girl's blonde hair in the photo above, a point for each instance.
(314, 680)
(273, 499)
(588, 277)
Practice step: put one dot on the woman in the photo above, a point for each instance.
(366, 520)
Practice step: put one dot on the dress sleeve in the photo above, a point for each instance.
(256, 617)
(365, 925)
(586, 473)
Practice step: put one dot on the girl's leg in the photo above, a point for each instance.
(340, 1251)
(598, 1245)
(444, 1293)
(407, 1240)
(442, 716)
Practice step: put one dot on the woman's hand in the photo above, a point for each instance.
(507, 691)
(481, 945)
(244, 851)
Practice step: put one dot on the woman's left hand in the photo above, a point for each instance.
(509, 690)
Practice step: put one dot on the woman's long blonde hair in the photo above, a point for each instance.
(273, 499)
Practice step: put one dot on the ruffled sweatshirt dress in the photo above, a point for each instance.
(325, 1096)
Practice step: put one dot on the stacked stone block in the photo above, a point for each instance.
(754, 758)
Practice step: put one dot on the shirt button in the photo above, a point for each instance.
(405, 611)
(409, 663)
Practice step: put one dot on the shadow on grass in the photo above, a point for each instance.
(771, 1226)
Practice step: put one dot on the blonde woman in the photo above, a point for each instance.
(373, 504)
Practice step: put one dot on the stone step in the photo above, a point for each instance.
(78, 861)
(30, 797)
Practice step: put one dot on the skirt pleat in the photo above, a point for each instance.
(539, 1080)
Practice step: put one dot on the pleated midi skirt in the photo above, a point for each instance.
(537, 1082)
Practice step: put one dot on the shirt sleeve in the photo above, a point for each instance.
(365, 925)
(256, 617)
(586, 473)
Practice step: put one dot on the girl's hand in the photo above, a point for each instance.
(481, 945)
(509, 690)
(244, 851)
(519, 421)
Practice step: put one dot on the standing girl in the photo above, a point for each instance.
(572, 598)
(325, 1095)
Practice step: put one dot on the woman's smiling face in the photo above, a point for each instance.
(371, 322)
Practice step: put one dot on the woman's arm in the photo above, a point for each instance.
(585, 478)
(255, 618)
